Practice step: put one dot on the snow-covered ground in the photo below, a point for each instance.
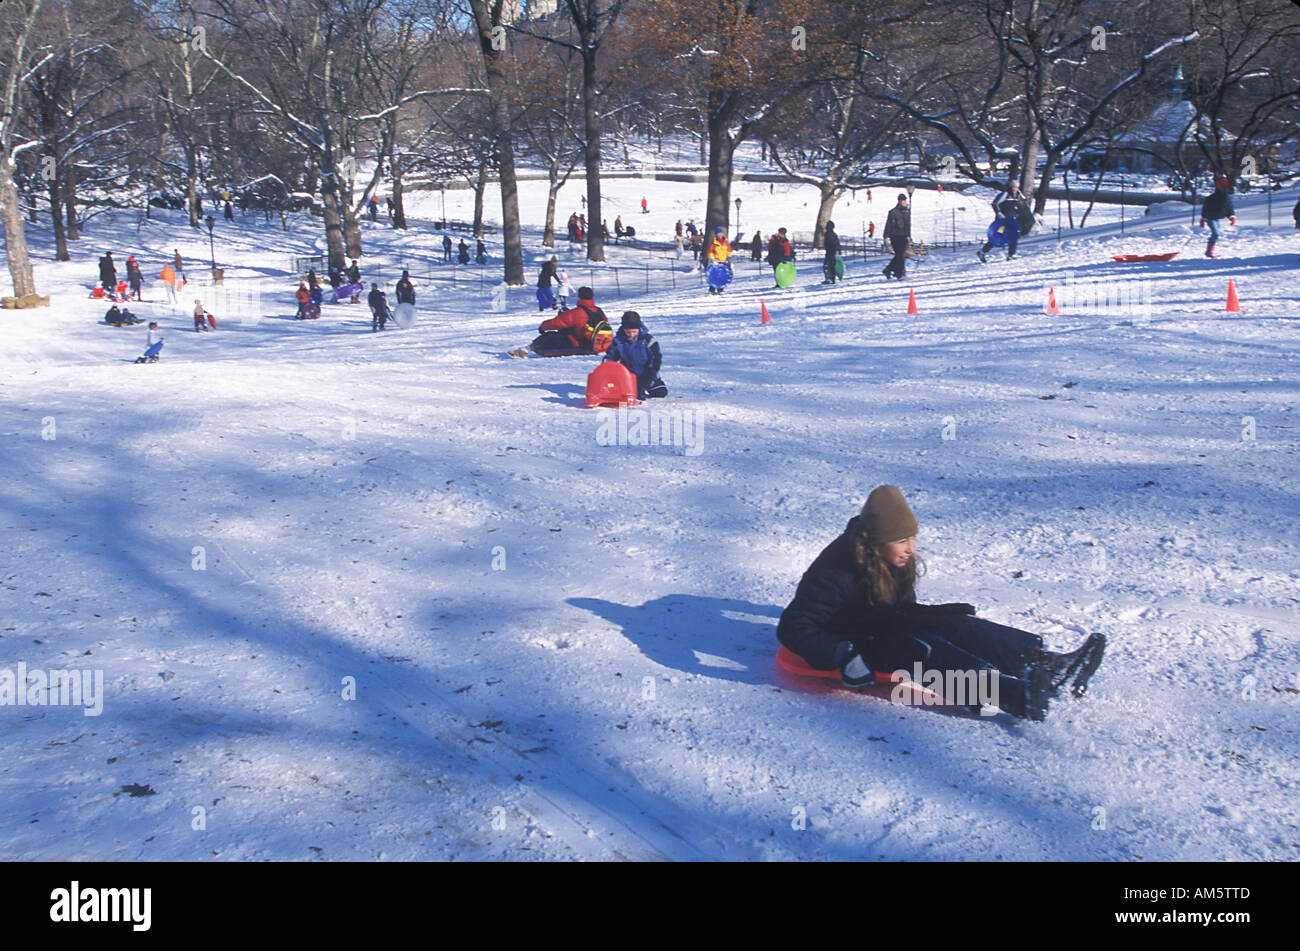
(564, 650)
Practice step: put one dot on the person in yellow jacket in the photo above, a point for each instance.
(719, 248)
(718, 251)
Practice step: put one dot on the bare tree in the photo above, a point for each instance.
(16, 34)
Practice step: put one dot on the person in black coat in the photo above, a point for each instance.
(898, 232)
(134, 277)
(756, 247)
(462, 251)
(855, 611)
(831, 242)
(354, 273)
(379, 313)
(108, 272)
(405, 289)
(480, 252)
(1217, 207)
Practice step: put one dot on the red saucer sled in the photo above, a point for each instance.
(792, 663)
(1131, 258)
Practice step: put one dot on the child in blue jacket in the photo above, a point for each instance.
(639, 352)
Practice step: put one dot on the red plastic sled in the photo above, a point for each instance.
(611, 384)
(1130, 258)
(792, 663)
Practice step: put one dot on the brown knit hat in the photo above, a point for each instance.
(886, 517)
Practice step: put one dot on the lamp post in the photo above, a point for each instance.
(212, 252)
(738, 216)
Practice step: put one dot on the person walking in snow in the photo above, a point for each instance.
(303, 296)
(379, 312)
(855, 611)
(645, 208)
(1217, 207)
(405, 289)
(202, 319)
(718, 252)
(635, 349)
(462, 252)
(480, 252)
(831, 242)
(779, 250)
(134, 277)
(178, 264)
(446, 248)
(898, 232)
(108, 272)
(756, 247)
(1006, 210)
(547, 277)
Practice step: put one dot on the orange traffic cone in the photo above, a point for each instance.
(767, 318)
(1234, 305)
(1052, 309)
(911, 301)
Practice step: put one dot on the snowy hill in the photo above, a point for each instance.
(564, 650)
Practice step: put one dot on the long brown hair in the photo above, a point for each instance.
(881, 584)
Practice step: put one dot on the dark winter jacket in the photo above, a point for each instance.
(133, 274)
(779, 250)
(585, 325)
(641, 356)
(546, 277)
(1295, 213)
(899, 223)
(831, 241)
(405, 291)
(1218, 205)
(354, 274)
(829, 607)
(462, 251)
(107, 272)
(378, 301)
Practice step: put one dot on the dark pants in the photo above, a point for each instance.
(1011, 249)
(828, 268)
(950, 642)
(898, 266)
(378, 317)
(556, 343)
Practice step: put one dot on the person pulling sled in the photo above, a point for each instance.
(379, 312)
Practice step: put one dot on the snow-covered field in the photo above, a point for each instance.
(564, 650)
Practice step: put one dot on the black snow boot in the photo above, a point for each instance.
(1026, 698)
(1063, 667)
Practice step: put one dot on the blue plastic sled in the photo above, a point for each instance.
(545, 298)
(348, 290)
(718, 274)
(1003, 231)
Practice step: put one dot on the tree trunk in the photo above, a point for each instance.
(70, 203)
(192, 187)
(591, 122)
(56, 219)
(351, 222)
(480, 187)
(15, 233)
(552, 193)
(399, 210)
(333, 223)
(830, 193)
(721, 151)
